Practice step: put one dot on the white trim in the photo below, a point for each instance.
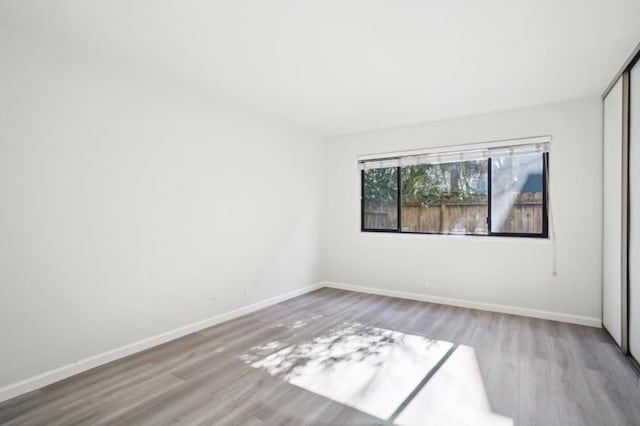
(482, 239)
(52, 376)
(505, 309)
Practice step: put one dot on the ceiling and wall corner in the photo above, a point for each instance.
(345, 66)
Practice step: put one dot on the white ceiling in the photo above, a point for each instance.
(340, 66)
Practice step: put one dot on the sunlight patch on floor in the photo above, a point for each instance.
(376, 371)
(455, 395)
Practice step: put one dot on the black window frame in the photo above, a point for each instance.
(545, 205)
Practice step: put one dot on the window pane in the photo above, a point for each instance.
(447, 198)
(517, 194)
(381, 198)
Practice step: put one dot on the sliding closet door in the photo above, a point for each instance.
(612, 237)
(634, 213)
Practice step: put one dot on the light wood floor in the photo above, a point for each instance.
(534, 371)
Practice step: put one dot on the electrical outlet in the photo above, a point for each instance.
(425, 282)
(212, 301)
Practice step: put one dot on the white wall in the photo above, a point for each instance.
(126, 204)
(511, 272)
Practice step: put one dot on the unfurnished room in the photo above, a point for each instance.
(320, 212)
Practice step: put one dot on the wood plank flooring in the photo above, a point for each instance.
(535, 372)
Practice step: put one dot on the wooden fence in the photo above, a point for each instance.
(459, 217)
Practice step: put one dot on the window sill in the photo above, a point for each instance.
(470, 237)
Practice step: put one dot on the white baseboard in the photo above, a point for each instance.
(52, 376)
(505, 309)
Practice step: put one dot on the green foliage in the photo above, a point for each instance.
(381, 185)
(427, 184)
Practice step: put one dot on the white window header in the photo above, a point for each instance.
(449, 154)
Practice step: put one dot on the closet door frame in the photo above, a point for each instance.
(624, 75)
(627, 131)
(624, 258)
(613, 213)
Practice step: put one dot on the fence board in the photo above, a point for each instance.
(454, 216)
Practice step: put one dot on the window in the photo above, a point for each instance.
(499, 189)
(445, 198)
(380, 189)
(518, 195)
